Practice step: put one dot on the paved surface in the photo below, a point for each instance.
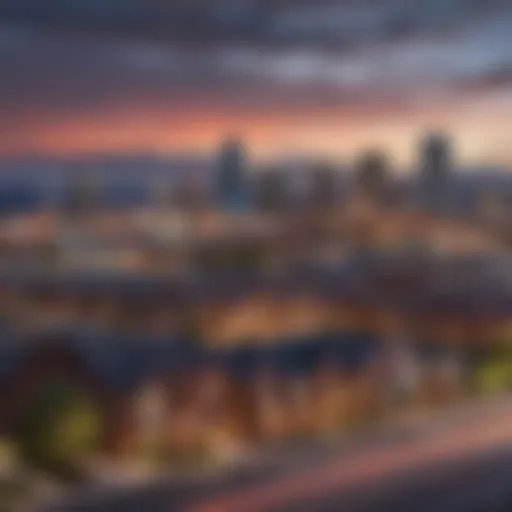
(459, 461)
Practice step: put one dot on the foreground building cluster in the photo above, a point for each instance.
(222, 361)
(217, 328)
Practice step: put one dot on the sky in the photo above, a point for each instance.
(319, 77)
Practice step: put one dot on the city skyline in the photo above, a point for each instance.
(294, 77)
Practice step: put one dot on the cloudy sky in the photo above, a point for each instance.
(312, 76)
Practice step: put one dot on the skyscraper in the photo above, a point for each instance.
(231, 181)
(371, 176)
(272, 191)
(435, 171)
(324, 188)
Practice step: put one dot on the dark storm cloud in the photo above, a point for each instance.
(53, 74)
(261, 22)
(61, 58)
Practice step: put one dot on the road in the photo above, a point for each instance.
(457, 461)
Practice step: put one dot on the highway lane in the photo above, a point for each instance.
(459, 461)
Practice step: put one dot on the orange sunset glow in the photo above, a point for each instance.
(337, 135)
(99, 91)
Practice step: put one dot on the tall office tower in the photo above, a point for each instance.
(435, 172)
(272, 192)
(231, 180)
(371, 176)
(323, 187)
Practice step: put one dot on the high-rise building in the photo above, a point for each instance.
(435, 172)
(323, 187)
(371, 176)
(271, 190)
(231, 180)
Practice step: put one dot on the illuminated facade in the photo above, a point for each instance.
(240, 328)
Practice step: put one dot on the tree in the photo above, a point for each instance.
(60, 428)
(493, 370)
